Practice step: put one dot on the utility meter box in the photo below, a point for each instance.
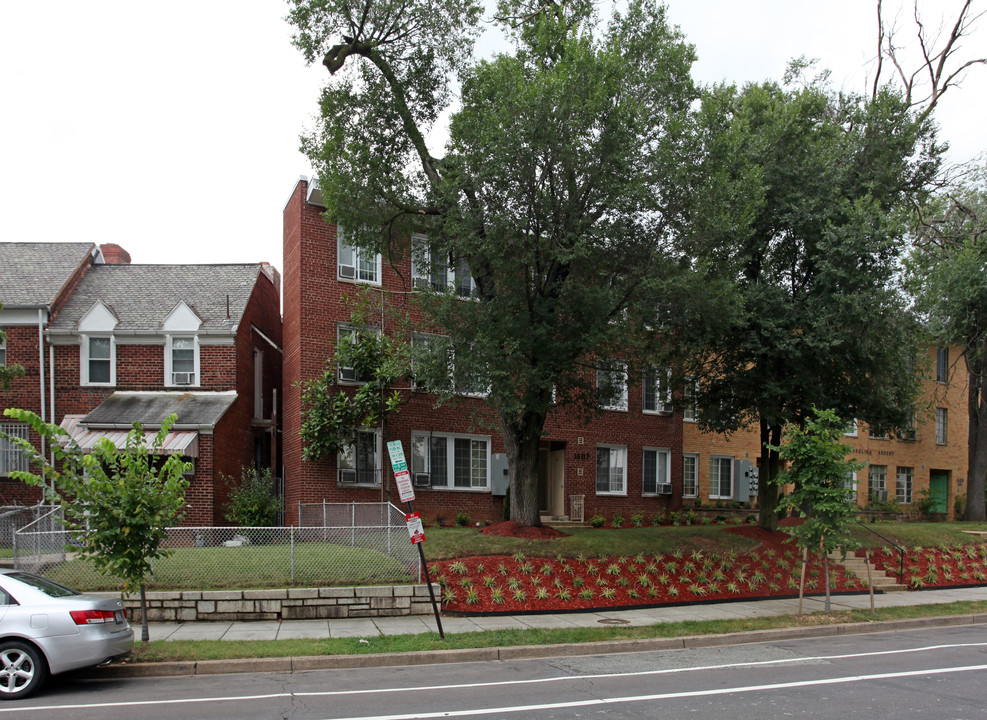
(745, 480)
(500, 479)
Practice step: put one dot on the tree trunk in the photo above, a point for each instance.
(977, 440)
(145, 631)
(767, 491)
(522, 439)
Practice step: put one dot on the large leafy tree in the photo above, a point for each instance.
(812, 191)
(119, 502)
(559, 191)
(948, 274)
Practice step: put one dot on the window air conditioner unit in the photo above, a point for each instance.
(347, 374)
(347, 271)
(906, 434)
(183, 378)
(422, 480)
(664, 488)
(347, 477)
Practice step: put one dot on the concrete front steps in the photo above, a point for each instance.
(858, 566)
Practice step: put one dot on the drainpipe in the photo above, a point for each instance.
(51, 393)
(41, 368)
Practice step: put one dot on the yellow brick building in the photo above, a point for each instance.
(930, 456)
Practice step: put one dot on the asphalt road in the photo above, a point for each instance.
(930, 673)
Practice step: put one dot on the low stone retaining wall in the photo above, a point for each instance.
(284, 604)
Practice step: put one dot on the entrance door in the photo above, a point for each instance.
(939, 489)
(551, 482)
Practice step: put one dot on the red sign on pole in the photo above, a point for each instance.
(405, 489)
(415, 528)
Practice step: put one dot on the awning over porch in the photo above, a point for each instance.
(182, 442)
(198, 412)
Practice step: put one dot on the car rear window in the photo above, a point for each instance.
(48, 587)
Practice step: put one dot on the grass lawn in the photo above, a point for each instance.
(254, 566)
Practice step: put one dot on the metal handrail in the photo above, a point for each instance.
(899, 548)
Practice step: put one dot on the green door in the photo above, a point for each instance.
(938, 484)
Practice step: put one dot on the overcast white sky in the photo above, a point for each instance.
(172, 128)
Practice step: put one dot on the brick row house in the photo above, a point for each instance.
(105, 343)
(641, 454)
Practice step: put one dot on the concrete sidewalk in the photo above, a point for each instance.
(373, 627)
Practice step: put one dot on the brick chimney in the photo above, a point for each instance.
(113, 254)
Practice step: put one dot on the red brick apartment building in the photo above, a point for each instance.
(105, 343)
(641, 455)
(629, 459)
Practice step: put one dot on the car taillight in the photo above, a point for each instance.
(91, 617)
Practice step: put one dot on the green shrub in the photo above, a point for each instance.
(617, 520)
(253, 501)
(597, 520)
(462, 519)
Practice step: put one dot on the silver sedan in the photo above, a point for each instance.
(47, 628)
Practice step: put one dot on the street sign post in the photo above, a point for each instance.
(416, 530)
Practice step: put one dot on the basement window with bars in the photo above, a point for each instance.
(12, 459)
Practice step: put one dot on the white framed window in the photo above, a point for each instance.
(878, 432)
(942, 419)
(611, 385)
(720, 477)
(431, 269)
(657, 391)
(443, 460)
(3, 348)
(877, 478)
(182, 360)
(611, 469)
(942, 364)
(98, 360)
(850, 428)
(657, 477)
(12, 459)
(359, 462)
(690, 475)
(689, 394)
(850, 485)
(356, 264)
(903, 485)
(352, 334)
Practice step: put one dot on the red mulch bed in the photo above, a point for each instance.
(503, 584)
(935, 566)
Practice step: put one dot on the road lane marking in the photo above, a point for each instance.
(499, 711)
(501, 683)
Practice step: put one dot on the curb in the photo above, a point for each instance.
(516, 652)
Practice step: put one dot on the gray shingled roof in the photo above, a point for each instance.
(199, 410)
(142, 296)
(32, 273)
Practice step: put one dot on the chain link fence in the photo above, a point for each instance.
(352, 544)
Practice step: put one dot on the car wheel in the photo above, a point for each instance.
(22, 670)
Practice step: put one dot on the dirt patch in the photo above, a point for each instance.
(514, 529)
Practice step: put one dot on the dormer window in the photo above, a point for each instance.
(184, 356)
(181, 360)
(97, 346)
